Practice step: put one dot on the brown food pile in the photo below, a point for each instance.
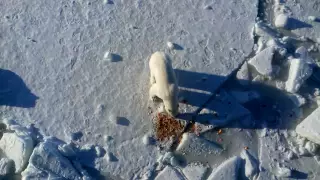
(166, 126)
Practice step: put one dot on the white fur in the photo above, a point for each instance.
(163, 82)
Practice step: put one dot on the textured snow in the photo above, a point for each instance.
(263, 61)
(169, 173)
(227, 170)
(53, 53)
(309, 127)
(190, 143)
(195, 171)
(18, 148)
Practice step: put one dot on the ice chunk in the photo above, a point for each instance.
(243, 75)
(18, 148)
(169, 173)
(251, 164)
(147, 140)
(309, 127)
(312, 18)
(299, 71)
(193, 144)
(46, 157)
(6, 167)
(297, 99)
(262, 61)
(244, 96)
(227, 170)
(32, 172)
(311, 147)
(195, 171)
(170, 45)
(281, 21)
(283, 172)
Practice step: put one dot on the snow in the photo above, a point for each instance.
(251, 164)
(192, 144)
(169, 173)
(18, 148)
(281, 21)
(299, 71)
(227, 170)
(53, 53)
(308, 128)
(195, 171)
(6, 167)
(262, 61)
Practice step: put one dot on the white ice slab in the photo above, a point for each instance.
(309, 127)
(227, 170)
(262, 61)
(195, 171)
(169, 173)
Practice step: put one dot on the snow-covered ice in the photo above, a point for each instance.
(227, 170)
(195, 171)
(169, 173)
(309, 127)
(283, 172)
(263, 61)
(18, 148)
(244, 96)
(297, 99)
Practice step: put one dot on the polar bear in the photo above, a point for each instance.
(163, 82)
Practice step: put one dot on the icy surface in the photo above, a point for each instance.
(195, 171)
(18, 148)
(169, 173)
(243, 75)
(309, 127)
(227, 170)
(53, 52)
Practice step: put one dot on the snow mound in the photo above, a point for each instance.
(191, 143)
(195, 171)
(227, 170)
(281, 21)
(18, 148)
(309, 127)
(169, 173)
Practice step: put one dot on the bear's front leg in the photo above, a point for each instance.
(153, 93)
